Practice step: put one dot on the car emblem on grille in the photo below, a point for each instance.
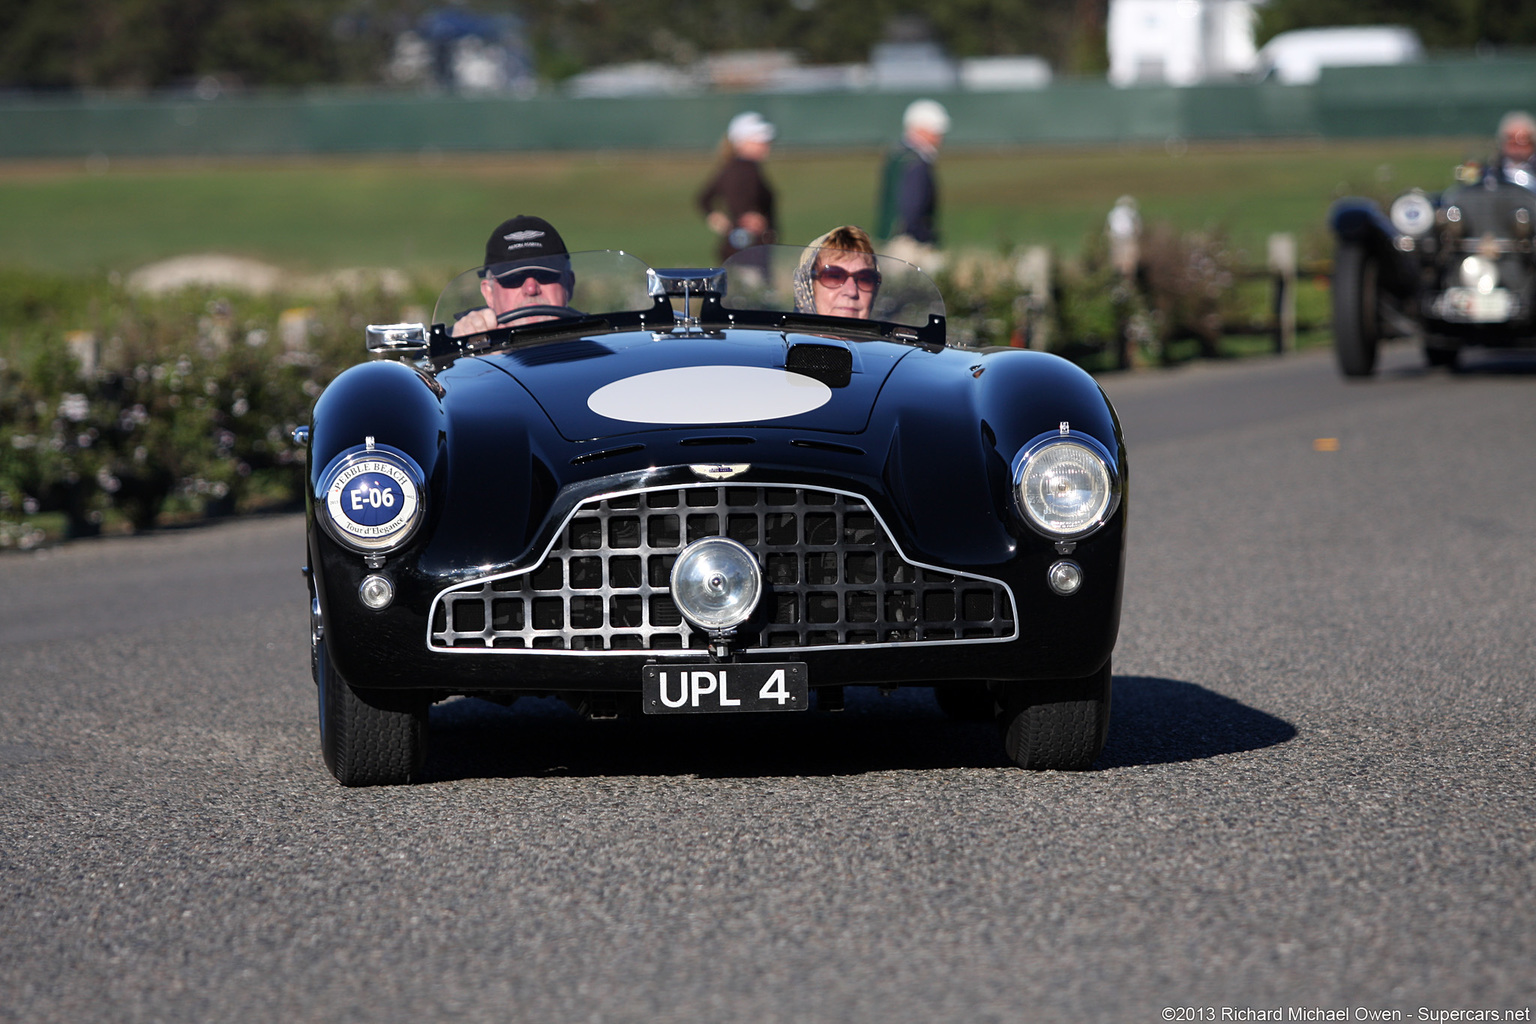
(719, 470)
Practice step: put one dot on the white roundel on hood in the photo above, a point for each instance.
(690, 395)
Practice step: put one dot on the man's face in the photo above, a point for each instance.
(845, 283)
(530, 286)
(927, 137)
(1518, 144)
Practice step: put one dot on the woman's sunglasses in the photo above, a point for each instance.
(515, 278)
(834, 276)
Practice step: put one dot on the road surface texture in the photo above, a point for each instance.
(1318, 791)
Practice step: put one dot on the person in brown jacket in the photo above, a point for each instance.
(737, 203)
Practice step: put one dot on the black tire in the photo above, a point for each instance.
(1356, 325)
(369, 737)
(1056, 724)
(969, 700)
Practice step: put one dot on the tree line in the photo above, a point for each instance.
(166, 44)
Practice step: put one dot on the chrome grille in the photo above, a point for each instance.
(833, 577)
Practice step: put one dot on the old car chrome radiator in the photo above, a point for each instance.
(833, 577)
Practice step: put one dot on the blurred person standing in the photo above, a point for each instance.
(1516, 162)
(745, 213)
(909, 195)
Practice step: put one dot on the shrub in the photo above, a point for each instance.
(126, 407)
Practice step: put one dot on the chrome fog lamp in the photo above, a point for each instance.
(716, 584)
(376, 592)
(1412, 213)
(1065, 487)
(1064, 577)
(1480, 273)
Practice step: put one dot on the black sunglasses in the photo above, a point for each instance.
(834, 276)
(515, 278)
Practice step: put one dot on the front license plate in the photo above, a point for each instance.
(1471, 305)
(713, 689)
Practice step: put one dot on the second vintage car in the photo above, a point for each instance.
(696, 492)
(1452, 269)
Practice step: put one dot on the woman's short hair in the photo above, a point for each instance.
(849, 237)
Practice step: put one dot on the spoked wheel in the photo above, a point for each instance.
(969, 700)
(1059, 723)
(369, 737)
(1356, 326)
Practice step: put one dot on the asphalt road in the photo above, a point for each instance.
(1317, 792)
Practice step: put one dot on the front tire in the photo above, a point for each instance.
(1356, 326)
(369, 737)
(1056, 724)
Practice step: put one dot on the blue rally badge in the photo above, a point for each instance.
(373, 498)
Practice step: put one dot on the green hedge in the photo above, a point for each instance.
(124, 410)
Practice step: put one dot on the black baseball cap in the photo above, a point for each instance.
(525, 242)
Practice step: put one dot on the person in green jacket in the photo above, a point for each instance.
(908, 190)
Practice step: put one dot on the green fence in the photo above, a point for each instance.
(1442, 97)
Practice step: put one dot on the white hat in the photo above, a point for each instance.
(749, 127)
(926, 114)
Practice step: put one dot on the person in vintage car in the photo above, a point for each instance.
(1516, 160)
(837, 276)
(526, 266)
(701, 494)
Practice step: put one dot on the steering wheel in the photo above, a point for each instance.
(523, 312)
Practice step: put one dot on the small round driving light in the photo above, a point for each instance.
(1064, 577)
(376, 592)
(716, 583)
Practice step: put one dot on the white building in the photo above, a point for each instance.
(1180, 42)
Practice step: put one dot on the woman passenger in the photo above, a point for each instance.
(837, 275)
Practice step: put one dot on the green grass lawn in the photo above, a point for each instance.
(433, 214)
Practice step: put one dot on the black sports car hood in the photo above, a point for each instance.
(623, 384)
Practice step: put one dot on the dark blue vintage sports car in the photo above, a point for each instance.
(688, 492)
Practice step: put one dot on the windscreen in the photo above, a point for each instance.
(830, 282)
(516, 294)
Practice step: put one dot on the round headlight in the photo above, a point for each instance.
(1065, 488)
(372, 498)
(1479, 273)
(716, 583)
(1412, 213)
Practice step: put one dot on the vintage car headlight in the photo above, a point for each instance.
(1413, 214)
(371, 498)
(1480, 273)
(716, 583)
(1065, 486)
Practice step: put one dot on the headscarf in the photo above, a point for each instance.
(805, 295)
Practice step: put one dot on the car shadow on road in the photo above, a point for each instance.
(1165, 721)
(1155, 721)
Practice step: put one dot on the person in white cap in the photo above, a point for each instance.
(738, 202)
(909, 196)
(1516, 162)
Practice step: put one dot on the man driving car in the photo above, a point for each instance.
(526, 265)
